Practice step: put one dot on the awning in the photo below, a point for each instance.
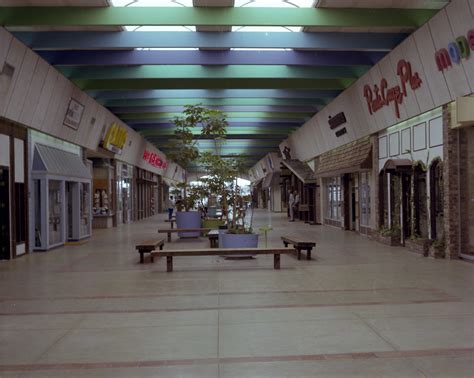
(301, 170)
(398, 165)
(53, 161)
(352, 157)
(271, 179)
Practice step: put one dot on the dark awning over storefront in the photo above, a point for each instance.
(271, 180)
(398, 165)
(352, 157)
(301, 170)
(53, 161)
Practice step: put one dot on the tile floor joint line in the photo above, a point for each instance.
(249, 359)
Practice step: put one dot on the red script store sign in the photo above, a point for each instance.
(381, 95)
(154, 159)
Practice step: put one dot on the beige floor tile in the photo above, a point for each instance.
(446, 367)
(135, 344)
(290, 338)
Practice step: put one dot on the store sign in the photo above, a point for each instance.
(381, 95)
(154, 159)
(338, 120)
(73, 114)
(455, 52)
(341, 132)
(115, 138)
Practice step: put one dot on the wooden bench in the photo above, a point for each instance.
(276, 252)
(213, 236)
(171, 230)
(149, 246)
(299, 244)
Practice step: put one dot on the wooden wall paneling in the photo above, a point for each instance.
(471, 5)
(93, 134)
(353, 127)
(57, 106)
(442, 35)
(461, 21)
(330, 110)
(22, 86)
(85, 126)
(315, 137)
(14, 58)
(385, 116)
(355, 113)
(33, 95)
(44, 98)
(436, 82)
(297, 145)
(423, 94)
(311, 147)
(410, 102)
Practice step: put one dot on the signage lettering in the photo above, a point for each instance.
(154, 159)
(337, 120)
(381, 95)
(341, 132)
(456, 51)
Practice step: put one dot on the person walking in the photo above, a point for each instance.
(170, 207)
(291, 203)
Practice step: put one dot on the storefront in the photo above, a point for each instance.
(13, 191)
(411, 177)
(146, 197)
(346, 175)
(61, 193)
(124, 195)
(103, 189)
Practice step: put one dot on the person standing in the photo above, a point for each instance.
(297, 202)
(291, 203)
(170, 207)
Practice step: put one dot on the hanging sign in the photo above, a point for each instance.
(115, 138)
(338, 120)
(381, 95)
(154, 159)
(456, 51)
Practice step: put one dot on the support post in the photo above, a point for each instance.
(276, 261)
(169, 263)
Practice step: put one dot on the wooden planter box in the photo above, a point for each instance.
(387, 240)
(437, 252)
(420, 246)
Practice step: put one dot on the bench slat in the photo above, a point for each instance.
(168, 230)
(150, 243)
(224, 251)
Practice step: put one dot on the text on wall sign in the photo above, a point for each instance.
(381, 95)
(456, 51)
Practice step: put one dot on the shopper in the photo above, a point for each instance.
(295, 205)
(291, 203)
(170, 207)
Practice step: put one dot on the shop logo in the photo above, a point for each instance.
(115, 138)
(456, 51)
(338, 120)
(154, 159)
(380, 95)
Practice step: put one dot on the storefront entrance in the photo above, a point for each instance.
(4, 214)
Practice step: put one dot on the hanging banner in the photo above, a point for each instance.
(115, 138)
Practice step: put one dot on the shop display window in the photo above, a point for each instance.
(85, 219)
(333, 190)
(365, 198)
(55, 212)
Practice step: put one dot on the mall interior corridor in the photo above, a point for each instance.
(358, 308)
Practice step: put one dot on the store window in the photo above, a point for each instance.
(365, 198)
(84, 193)
(55, 212)
(20, 213)
(333, 190)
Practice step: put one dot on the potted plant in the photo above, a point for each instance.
(437, 248)
(184, 150)
(388, 236)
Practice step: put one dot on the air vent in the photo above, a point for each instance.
(7, 70)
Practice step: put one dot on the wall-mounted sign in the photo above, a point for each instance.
(155, 160)
(73, 114)
(380, 95)
(456, 51)
(115, 138)
(338, 120)
(341, 132)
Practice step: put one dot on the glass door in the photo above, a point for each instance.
(55, 211)
(4, 214)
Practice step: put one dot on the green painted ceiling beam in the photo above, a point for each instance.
(124, 84)
(213, 72)
(143, 116)
(168, 133)
(213, 16)
(216, 102)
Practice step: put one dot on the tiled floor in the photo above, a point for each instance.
(357, 309)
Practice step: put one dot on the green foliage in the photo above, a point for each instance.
(385, 231)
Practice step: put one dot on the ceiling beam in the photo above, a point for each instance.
(170, 116)
(225, 109)
(213, 72)
(214, 16)
(214, 93)
(88, 40)
(144, 57)
(213, 102)
(265, 83)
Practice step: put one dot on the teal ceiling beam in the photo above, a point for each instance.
(212, 72)
(210, 40)
(214, 16)
(168, 116)
(231, 134)
(216, 102)
(232, 83)
(225, 109)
